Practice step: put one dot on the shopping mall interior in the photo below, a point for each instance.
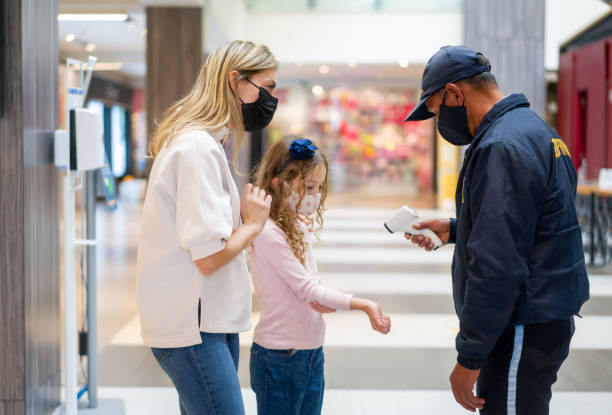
(350, 71)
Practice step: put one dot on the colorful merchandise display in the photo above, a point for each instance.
(364, 135)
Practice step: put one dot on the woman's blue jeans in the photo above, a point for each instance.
(205, 375)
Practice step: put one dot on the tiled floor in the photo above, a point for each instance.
(405, 372)
(160, 400)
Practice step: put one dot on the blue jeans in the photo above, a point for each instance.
(287, 382)
(205, 375)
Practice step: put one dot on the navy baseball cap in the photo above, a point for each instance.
(449, 64)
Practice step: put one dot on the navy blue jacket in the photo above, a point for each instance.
(518, 256)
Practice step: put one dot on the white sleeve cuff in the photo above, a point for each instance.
(207, 249)
(347, 299)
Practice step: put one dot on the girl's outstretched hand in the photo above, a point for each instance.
(379, 321)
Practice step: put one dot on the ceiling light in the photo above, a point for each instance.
(403, 63)
(299, 64)
(324, 69)
(105, 17)
(144, 32)
(106, 66)
(70, 37)
(317, 90)
(90, 47)
(351, 64)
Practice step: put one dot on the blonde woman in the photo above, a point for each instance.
(194, 292)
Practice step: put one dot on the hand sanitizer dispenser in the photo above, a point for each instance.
(86, 140)
(81, 146)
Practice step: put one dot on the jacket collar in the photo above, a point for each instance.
(503, 106)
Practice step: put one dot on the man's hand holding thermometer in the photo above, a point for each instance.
(428, 234)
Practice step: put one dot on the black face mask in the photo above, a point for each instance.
(257, 115)
(453, 124)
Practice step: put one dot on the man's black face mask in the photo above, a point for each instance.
(453, 124)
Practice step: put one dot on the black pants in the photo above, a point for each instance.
(516, 378)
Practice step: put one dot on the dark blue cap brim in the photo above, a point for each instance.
(420, 112)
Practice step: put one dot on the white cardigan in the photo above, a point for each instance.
(191, 208)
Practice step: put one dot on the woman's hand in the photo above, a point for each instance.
(255, 206)
(379, 321)
(254, 209)
(321, 308)
(441, 227)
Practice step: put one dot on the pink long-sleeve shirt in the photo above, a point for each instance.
(285, 288)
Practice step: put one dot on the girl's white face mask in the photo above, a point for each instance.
(309, 205)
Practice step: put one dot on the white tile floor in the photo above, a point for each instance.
(382, 256)
(352, 236)
(164, 401)
(430, 331)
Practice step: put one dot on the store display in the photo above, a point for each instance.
(362, 131)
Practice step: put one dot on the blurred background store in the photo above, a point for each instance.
(350, 72)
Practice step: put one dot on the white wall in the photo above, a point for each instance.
(293, 114)
(224, 20)
(565, 18)
(372, 37)
(359, 37)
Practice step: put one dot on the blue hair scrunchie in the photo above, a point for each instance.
(302, 149)
(299, 149)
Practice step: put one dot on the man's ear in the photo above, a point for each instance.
(454, 95)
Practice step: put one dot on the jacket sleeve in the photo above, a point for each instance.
(452, 235)
(505, 194)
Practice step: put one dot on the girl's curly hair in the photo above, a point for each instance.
(271, 167)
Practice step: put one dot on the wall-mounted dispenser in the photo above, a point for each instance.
(85, 139)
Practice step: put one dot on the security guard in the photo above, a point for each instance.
(519, 273)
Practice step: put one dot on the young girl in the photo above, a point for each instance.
(287, 355)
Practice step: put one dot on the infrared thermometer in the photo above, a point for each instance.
(404, 220)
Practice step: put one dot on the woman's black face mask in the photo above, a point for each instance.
(257, 115)
(453, 124)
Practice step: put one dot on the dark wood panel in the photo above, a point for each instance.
(174, 56)
(41, 206)
(29, 200)
(12, 408)
(12, 329)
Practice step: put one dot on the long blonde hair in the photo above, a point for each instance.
(211, 103)
(270, 168)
